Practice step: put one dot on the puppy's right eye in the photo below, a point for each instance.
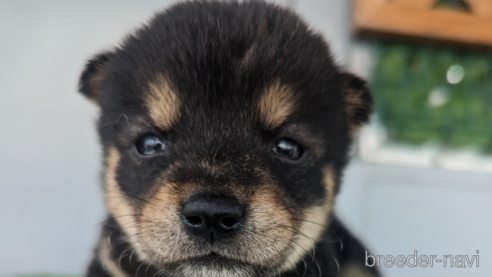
(288, 149)
(149, 145)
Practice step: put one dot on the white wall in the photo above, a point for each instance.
(437, 212)
(49, 158)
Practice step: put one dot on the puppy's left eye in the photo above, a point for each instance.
(149, 144)
(288, 149)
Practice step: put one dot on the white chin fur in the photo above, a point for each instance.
(190, 270)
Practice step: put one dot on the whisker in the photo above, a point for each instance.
(339, 240)
(338, 264)
(159, 272)
(326, 228)
(131, 256)
(301, 233)
(312, 222)
(259, 239)
(307, 253)
(138, 269)
(134, 197)
(302, 259)
(122, 256)
(118, 122)
(115, 217)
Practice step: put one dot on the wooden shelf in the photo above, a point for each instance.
(419, 18)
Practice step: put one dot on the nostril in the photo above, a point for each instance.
(194, 221)
(212, 217)
(228, 222)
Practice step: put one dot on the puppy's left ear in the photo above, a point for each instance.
(358, 101)
(91, 79)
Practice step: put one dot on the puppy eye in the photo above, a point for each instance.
(149, 144)
(288, 149)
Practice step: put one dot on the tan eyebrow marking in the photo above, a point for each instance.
(162, 103)
(276, 104)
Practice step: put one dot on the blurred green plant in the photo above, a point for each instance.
(42, 275)
(453, 4)
(431, 94)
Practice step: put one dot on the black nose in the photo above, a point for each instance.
(212, 217)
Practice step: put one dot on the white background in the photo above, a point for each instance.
(49, 157)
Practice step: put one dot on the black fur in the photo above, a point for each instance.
(219, 58)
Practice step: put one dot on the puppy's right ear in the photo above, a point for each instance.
(91, 79)
(358, 101)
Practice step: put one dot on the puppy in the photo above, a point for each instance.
(225, 128)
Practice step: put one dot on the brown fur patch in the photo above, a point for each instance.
(159, 238)
(116, 201)
(276, 104)
(162, 103)
(268, 223)
(313, 223)
(161, 228)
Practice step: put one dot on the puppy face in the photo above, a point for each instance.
(225, 127)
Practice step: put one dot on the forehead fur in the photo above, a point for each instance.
(276, 104)
(232, 51)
